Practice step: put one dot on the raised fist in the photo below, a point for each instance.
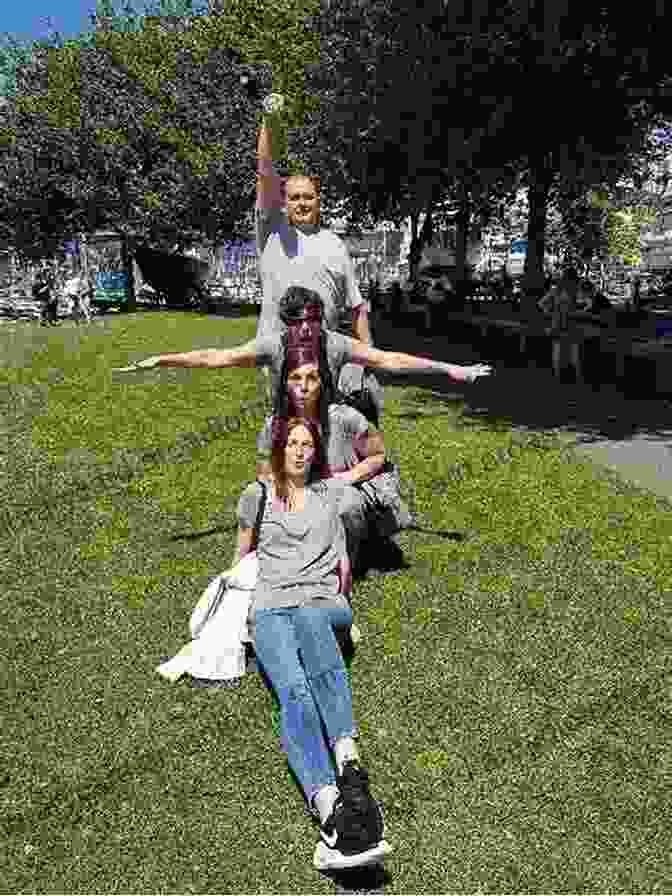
(273, 103)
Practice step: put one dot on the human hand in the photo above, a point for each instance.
(147, 364)
(472, 372)
(344, 476)
(273, 103)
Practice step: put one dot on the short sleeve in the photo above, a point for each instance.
(266, 221)
(266, 348)
(337, 490)
(353, 297)
(264, 439)
(357, 429)
(248, 506)
(339, 351)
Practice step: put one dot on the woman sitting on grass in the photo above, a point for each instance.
(300, 598)
(355, 453)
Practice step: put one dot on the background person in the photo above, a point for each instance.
(300, 598)
(295, 250)
(77, 289)
(560, 302)
(44, 291)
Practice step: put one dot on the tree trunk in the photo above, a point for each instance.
(533, 283)
(127, 258)
(413, 256)
(462, 238)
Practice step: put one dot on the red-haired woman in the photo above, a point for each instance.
(300, 598)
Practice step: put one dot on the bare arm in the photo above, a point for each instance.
(360, 324)
(244, 546)
(364, 470)
(371, 451)
(241, 356)
(269, 183)
(398, 362)
(264, 470)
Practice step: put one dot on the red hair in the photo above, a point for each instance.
(281, 430)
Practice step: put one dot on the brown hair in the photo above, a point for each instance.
(281, 430)
(313, 178)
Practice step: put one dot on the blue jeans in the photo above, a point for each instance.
(298, 652)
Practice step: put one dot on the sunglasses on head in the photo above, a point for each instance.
(307, 312)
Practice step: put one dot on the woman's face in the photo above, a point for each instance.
(299, 452)
(303, 386)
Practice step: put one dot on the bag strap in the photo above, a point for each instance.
(260, 514)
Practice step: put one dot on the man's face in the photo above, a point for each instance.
(305, 330)
(303, 203)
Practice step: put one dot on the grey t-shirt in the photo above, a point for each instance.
(268, 347)
(347, 432)
(319, 261)
(299, 552)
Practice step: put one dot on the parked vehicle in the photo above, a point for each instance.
(435, 284)
(178, 279)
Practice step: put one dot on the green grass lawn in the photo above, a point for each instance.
(512, 689)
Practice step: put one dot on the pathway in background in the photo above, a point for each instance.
(632, 437)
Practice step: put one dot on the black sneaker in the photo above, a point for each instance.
(353, 835)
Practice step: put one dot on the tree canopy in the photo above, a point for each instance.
(147, 125)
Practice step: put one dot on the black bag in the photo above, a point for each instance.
(386, 509)
(364, 400)
(260, 514)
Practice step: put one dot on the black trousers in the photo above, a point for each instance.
(50, 311)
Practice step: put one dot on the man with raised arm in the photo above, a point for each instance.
(294, 250)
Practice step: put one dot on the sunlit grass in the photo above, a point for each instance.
(510, 688)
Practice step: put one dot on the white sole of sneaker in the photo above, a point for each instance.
(326, 859)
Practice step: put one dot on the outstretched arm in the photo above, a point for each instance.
(399, 362)
(240, 356)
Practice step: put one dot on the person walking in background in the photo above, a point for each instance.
(76, 289)
(560, 302)
(84, 298)
(44, 291)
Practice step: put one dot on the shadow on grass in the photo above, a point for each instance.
(522, 392)
(194, 536)
(360, 880)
